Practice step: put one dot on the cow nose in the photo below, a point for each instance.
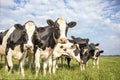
(95, 58)
(28, 46)
(63, 40)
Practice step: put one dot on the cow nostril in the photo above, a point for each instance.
(63, 40)
(65, 49)
(28, 46)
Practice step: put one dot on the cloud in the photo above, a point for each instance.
(96, 19)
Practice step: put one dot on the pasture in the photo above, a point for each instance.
(109, 70)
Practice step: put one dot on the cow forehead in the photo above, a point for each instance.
(30, 26)
(61, 22)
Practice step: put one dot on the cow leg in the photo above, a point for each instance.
(94, 63)
(57, 63)
(97, 62)
(50, 64)
(21, 63)
(44, 67)
(9, 61)
(37, 62)
(6, 65)
(62, 61)
(82, 67)
(54, 66)
(68, 62)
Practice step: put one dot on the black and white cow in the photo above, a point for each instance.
(81, 42)
(91, 51)
(69, 49)
(45, 39)
(15, 43)
(87, 51)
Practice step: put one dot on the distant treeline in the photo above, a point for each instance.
(110, 55)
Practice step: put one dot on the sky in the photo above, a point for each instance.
(98, 20)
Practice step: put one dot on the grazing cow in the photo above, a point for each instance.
(15, 43)
(45, 39)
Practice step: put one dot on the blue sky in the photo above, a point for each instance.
(98, 20)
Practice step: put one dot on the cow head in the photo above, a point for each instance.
(30, 28)
(94, 49)
(82, 42)
(72, 50)
(60, 29)
(97, 54)
(17, 37)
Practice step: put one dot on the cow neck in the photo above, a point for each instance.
(7, 36)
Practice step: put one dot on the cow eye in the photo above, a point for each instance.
(61, 46)
(24, 32)
(73, 46)
(56, 26)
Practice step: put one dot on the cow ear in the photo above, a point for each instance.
(18, 26)
(97, 44)
(71, 24)
(73, 37)
(50, 22)
(101, 51)
(87, 40)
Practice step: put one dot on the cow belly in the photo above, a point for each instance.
(17, 55)
(45, 54)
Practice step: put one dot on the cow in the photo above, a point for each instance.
(69, 49)
(80, 41)
(45, 40)
(15, 43)
(91, 51)
(87, 51)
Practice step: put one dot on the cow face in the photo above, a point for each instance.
(97, 54)
(60, 29)
(95, 49)
(72, 50)
(17, 37)
(30, 28)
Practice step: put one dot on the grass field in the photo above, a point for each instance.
(109, 70)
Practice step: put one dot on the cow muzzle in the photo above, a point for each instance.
(28, 47)
(63, 40)
(94, 58)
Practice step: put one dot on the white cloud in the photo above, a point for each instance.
(95, 19)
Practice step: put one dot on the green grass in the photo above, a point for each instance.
(109, 70)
